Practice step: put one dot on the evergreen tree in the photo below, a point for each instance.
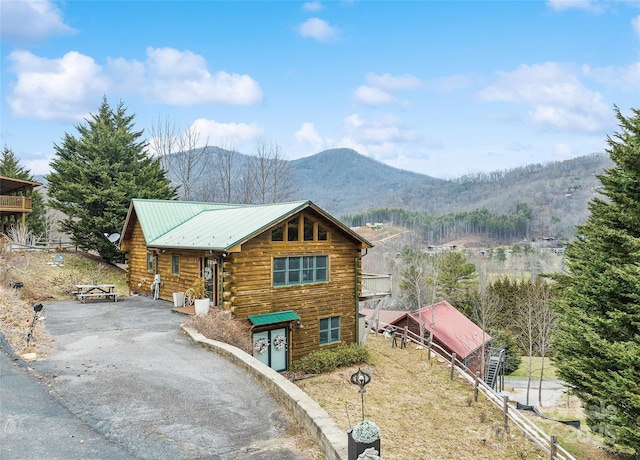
(10, 167)
(95, 176)
(597, 342)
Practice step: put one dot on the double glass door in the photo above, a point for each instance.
(271, 347)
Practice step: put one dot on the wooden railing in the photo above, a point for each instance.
(547, 443)
(19, 203)
(375, 285)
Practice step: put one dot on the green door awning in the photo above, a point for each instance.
(272, 318)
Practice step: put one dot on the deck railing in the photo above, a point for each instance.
(19, 203)
(375, 285)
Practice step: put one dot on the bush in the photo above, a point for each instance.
(327, 360)
(221, 326)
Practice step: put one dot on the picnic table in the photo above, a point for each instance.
(95, 290)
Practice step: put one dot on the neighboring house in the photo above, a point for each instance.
(452, 330)
(291, 269)
(15, 201)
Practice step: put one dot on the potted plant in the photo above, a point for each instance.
(200, 299)
(364, 435)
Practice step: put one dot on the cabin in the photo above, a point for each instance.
(290, 269)
(15, 201)
(452, 330)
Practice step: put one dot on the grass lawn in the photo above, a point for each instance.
(536, 365)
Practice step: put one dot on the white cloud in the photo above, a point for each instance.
(181, 78)
(319, 29)
(556, 97)
(312, 6)
(309, 135)
(392, 82)
(384, 138)
(377, 90)
(625, 78)
(635, 23)
(227, 135)
(67, 88)
(373, 96)
(55, 89)
(562, 5)
(31, 21)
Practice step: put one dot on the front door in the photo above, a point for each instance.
(210, 274)
(271, 348)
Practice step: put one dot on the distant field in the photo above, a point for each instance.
(536, 365)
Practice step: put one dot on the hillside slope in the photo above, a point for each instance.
(342, 180)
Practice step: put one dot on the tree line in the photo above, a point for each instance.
(447, 227)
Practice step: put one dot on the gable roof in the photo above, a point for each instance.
(213, 226)
(451, 327)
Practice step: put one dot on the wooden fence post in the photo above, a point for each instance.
(505, 409)
(554, 447)
(475, 391)
(453, 363)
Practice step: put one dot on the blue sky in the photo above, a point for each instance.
(443, 88)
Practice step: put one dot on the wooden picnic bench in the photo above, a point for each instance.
(84, 291)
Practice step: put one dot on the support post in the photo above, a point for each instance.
(505, 409)
(453, 363)
(553, 447)
(475, 391)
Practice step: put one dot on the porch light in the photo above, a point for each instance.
(299, 325)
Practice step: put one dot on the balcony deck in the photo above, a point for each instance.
(10, 203)
(374, 286)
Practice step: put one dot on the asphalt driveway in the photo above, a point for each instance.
(144, 390)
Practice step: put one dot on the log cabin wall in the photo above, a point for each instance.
(248, 284)
(140, 278)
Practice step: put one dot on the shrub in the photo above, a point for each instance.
(366, 432)
(327, 360)
(221, 326)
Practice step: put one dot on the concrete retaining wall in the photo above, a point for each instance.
(312, 418)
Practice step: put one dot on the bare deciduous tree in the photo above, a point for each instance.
(182, 154)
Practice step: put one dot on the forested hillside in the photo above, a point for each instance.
(345, 182)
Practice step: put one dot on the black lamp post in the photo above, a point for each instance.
(361, 379)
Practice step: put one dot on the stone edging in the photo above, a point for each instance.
(313, 419)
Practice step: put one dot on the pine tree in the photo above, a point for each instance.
(10, 167)
(95, 176)
(597, 342)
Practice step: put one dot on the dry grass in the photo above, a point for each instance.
(423, 414)
(43, 282)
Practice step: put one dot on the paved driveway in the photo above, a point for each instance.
(126, 371)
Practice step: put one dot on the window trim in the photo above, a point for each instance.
(150, 262)
(329, 330)
(175, 264)
(301, 268)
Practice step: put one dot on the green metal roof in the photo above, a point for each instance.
(212, 226)
(271, 318)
